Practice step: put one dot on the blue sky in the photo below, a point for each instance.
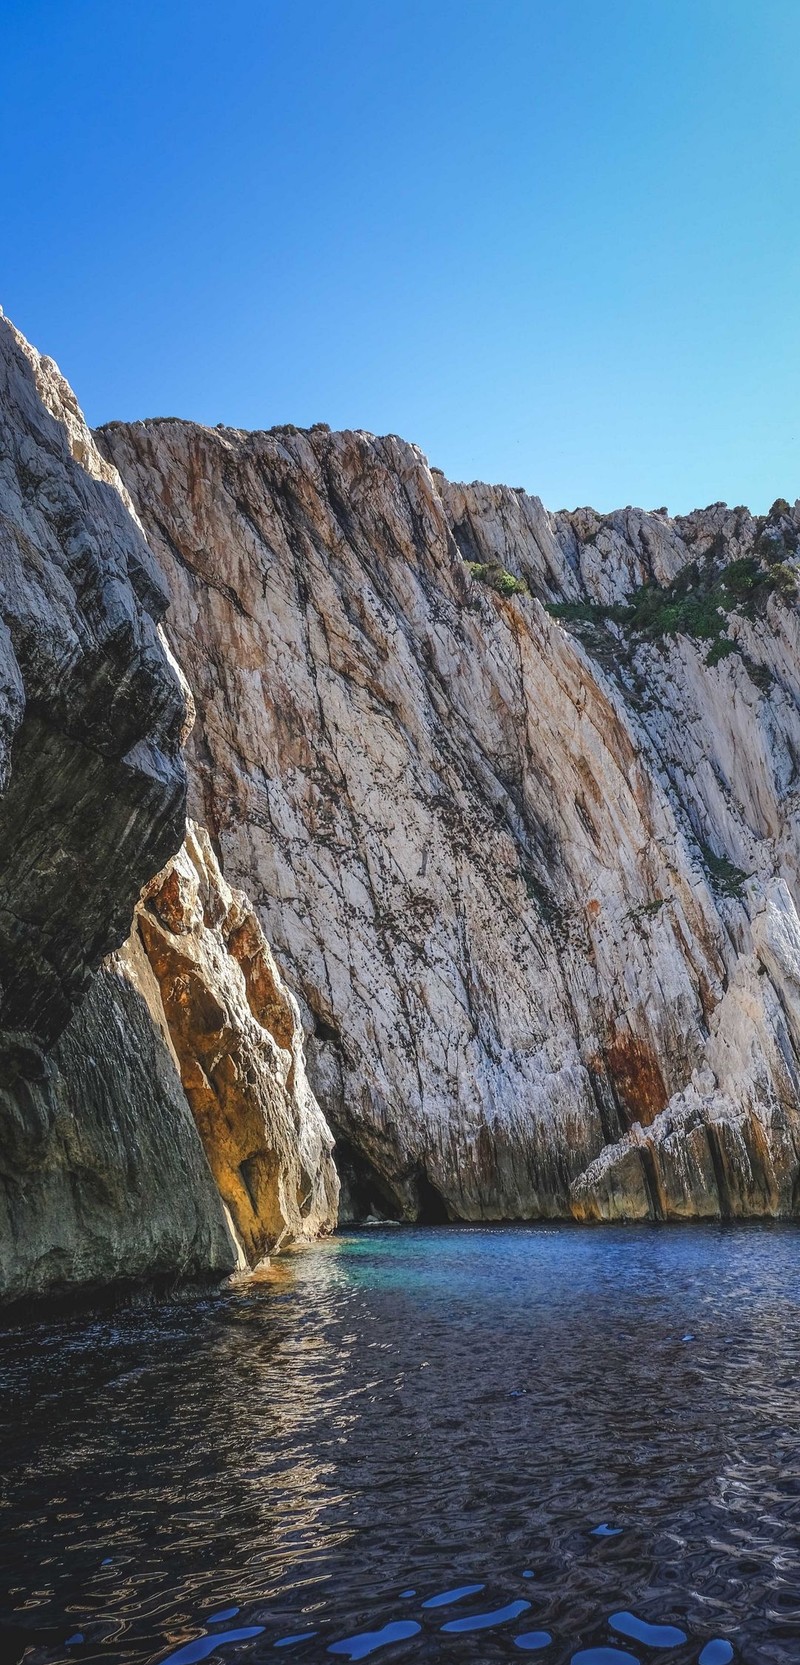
(555, 242)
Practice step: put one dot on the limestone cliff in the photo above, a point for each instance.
(91, 710)
(515, 796)
(108, 1045)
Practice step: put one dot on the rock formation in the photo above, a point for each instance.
(103, 1170)
(91, 711)
(515, 797)
(236, 1033)
(102, 1174)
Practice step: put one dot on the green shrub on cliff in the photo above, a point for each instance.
(697, 603)
(720, 649)
(726, 879)
(497, 577)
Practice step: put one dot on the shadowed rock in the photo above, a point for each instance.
(93, 712)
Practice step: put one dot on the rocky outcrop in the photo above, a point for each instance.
(92, 711)
(236, 1033)
(109, 1040)
(515, 796)
(171, 1130)
(102, 1175)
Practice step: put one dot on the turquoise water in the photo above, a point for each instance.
(369, 1454)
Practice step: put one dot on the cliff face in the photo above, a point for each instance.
(108, 1045)
(514, 796)
(91, 710)
(102, 1174)
(101, 1171)
(534, 876)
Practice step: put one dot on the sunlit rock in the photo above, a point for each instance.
(514, 864)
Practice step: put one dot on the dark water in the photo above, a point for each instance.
(398, 1414)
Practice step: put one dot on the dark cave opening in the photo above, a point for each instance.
(365, 1194)
(433, 1210)
(325, 1032)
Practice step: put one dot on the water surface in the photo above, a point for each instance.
(404, 1414)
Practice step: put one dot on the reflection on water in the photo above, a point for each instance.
(653, 1636)
(399, 1420)
(446, 1597)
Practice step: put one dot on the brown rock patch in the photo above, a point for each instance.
(635, 1075)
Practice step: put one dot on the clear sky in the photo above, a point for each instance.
(555, 242)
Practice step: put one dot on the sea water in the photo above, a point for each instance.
(422, 1444)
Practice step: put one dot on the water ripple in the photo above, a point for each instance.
(402, 1412)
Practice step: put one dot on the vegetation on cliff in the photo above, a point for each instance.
(698, 603)
(497, 577)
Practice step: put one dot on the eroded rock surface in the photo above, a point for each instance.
(103, 1173)
(93, 783)
(535, 877)
(236, 1033)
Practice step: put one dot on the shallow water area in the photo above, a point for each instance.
(398, 1416)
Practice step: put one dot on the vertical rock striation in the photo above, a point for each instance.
(515, 796)
(101, 1171)
(102, 1175)
(93, 782)
(108, 1041)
